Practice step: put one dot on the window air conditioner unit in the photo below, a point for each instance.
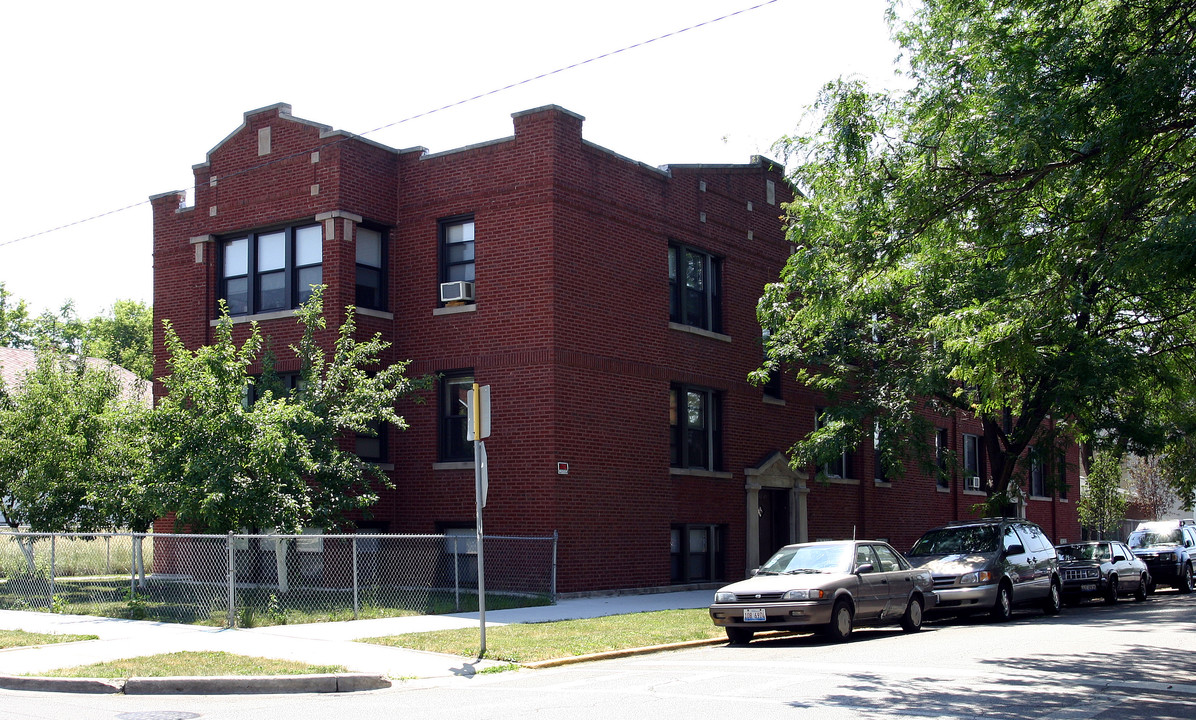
(459, 291)
(972, 483)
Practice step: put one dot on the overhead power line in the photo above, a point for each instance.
(426, 113)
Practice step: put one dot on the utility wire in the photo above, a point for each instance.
(426, 113)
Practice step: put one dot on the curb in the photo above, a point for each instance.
(612, 654)
(209, 685)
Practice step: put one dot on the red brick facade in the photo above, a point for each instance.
(570, 328)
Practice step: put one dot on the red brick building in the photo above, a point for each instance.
(609, 305)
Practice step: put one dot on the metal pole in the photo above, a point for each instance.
(232, 578)
(356, 598)
(456, 572)
(107, 554)
(554, 544)
(52, 568)
(477, 482)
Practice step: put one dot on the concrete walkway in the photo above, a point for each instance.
(317, 643)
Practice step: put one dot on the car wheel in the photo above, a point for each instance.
(1111, 592)
(839, 628)
(911, 621)
(1185, 579)
(1003, 607)
(1140, 593)
(1054, 600)
(739, 636)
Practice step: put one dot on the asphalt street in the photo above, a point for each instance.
(1127, 662)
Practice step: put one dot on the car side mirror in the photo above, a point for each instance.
(754, 572)
(1118, 558)
(862, 569)
(1015, 550)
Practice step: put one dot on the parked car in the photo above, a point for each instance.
(1168, 547)
(831, 586)
(990, 565)
(1101, 568)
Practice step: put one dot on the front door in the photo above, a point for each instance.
(774, 521)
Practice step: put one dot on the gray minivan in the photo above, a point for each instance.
(990, 565)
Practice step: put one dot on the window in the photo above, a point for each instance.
(1037, 479)
(454, 417)
(972, 463)
(878, 464)
(371, 446)
(695, 288)
(371, 280)
(694, 422)
(267, 271)
(940, 456)
(456, 250)
(889, 562)
(840, 467)
(696, 553)
(279, 384)
(772, 387)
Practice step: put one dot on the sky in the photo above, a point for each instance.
(109, 103)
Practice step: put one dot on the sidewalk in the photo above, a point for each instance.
(316, 643)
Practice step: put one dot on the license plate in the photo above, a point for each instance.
(754, 615)
(1088, 588)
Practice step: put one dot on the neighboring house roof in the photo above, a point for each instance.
(15, 363)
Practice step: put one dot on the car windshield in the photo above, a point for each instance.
(1148, 538)
(1096, 551)
(810, 558)
(957, 541)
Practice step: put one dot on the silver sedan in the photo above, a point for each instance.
(831, 586)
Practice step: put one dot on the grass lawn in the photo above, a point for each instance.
(532, 642)
(20, 638)
(192, 664)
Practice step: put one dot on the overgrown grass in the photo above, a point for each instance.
(192, 664)
(20, 638)
(533, 642)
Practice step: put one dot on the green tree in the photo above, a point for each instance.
(73, 448)
(15, 326)
(225, 464)
(1102, 503)
(124, 335)
(1010, 238)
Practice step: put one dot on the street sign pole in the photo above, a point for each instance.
(479, 470)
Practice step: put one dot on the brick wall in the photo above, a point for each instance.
(570, 329)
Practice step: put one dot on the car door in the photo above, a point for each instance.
(1039, 556)
(1128, 576)
(898, 582)
(873, 593)
(1015, 561)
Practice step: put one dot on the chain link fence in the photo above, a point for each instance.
(247, 580)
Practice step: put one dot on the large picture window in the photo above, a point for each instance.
(695, 424)
(454, 417)
(695, 288)
(272, 270)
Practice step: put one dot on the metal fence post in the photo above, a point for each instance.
(232, 576)
(456, 573)
(356, 599)
(107, 554)
(552, 579)
(52, 569)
